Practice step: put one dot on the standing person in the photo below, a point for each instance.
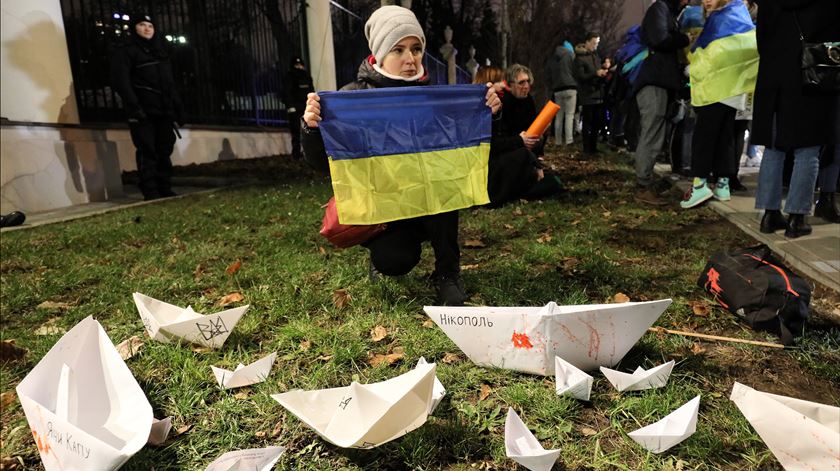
(142, 76)
(724, 62)
(520, 109)
(298, 84)
(659, 75)
(788, 117)
(397, 44)
(590, 74)
(561, 79)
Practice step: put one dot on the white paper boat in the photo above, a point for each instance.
(803, 435)
(160, 431)
(437, 392)
(252, 459)
(528, 338)
(571, 381)
(641, 378)
(243, 375)
(365, 415)
(522, 446)
(671, 430)
(84, 407)
(166, 323)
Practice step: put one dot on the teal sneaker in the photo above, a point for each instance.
(721, 192)
(695, 196)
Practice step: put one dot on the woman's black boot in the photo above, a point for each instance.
(797, 226)
(772, 221)
(826, 208)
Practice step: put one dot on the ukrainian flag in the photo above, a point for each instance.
(724, 59)
(398, 153)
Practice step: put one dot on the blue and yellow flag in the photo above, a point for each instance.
(398, 153)
(724, 59)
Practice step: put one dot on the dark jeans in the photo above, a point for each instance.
(397, 250)
(154, 139)
(294, 130)
(593, 119)
(713, 143)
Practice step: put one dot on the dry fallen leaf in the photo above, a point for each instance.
(277, 430)
(390, 359)
(700, 308)
(230, 299)
(517, 211)
(508, 227)
(473, 266)
(697, 349)
(234, 267)
(322, 250)
(198, 272)
(305, 345)
(9, 463)
(324, 358)
(541, 214)
(485, 392)
(129, 347)
(474, 244)
(621, 298)
(378, 333)
(10, 352)
(241, 395)
(260, 434)
(575, 222)
(569, 263)
(543, 238)
(6, 399)
(54, 306)
(429, 324)
(182, 430)
(49, 328)
(341, 298)
(201, 349)
(607, 214)
(588, 431)
(450, 358)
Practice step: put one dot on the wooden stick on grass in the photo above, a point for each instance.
(715, 337)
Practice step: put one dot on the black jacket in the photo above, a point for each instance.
(561, 70)
(517, 116)
(590, 86)
(366, 78)
(803, 119)
(661, 34)
(298, 84)
(141, 74)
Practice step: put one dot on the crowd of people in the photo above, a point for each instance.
(716, 66)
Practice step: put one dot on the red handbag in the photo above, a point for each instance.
(343, 235)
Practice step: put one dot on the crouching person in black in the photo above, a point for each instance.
(142, 75)
(397, 44)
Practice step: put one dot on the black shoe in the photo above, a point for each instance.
(167, 193)
(772, 221)
(736, 185)
(826, 208)
(450, 292)
(797, 226)
(15, 218)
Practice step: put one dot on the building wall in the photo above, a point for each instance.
(37, 83)
(321, 51)
(48, 167)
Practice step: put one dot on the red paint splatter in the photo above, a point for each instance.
(521, 340)
(42, 444)
(594, 341)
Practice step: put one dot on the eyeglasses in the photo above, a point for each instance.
(523, 82)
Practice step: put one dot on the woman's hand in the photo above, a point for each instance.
(312, 113)
(530, 142)
(492, 98)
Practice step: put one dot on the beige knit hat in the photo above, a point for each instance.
(389, 25)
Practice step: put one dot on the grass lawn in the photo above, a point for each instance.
(587, 247)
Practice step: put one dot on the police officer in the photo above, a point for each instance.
(297, 85)
(142, 75)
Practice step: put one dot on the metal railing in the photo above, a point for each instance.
(229, 57)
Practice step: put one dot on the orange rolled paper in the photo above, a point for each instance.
(543, 120)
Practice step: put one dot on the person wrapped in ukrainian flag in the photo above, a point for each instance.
(401, 153)
(723, 69)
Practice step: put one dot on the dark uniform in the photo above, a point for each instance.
(298, 84)
(142, 75)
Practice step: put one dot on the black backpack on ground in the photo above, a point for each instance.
(752, 284)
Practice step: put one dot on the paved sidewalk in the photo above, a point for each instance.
(816, 255)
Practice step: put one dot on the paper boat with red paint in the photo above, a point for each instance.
(528, 338)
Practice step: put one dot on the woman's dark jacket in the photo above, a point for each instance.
(802, 118)
(517, 116)
(661, 34)
(367, 77)
(141, 74)
(590, 86)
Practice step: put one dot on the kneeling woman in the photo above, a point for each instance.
(397, 44)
